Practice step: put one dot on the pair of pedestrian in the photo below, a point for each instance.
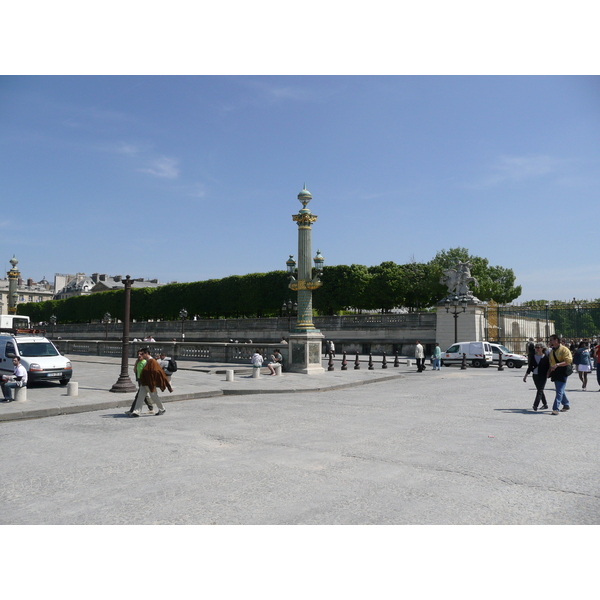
(151, 378)
(558, 369)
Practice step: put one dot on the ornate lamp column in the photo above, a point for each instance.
(305, 340)
(13, 280)
(124, 384)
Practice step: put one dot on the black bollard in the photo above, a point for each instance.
(464, 362)
(344, 362)
(371, 367)
(330, 366)
(396, 361)
(500, 366)
(384, 362)
(356, 362)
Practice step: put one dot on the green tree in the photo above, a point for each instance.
(493, 283)
(343, 288)
(385, 287)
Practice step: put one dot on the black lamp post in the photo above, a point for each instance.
(456, 301)
(106, 321)
(289, 309)
(53, 323)
(183, 316)
(124, 383)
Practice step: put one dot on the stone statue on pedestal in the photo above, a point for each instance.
(457, 281)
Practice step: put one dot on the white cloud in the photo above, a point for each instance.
(129, 149)
(163, 167)
(511, 169)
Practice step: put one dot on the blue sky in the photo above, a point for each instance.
(196, 177)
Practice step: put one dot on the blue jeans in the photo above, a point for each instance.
(436, 364)
(6, 387)
(560, 395)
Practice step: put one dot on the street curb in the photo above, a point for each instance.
(341, 386)
(56, 411)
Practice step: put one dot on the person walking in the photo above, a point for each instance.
(597, 361)
(560, 357)
(166, 364)
(140, 363)
(584, 363)
(419, 357)
(538, 366)
(151, 378)
(437, 357)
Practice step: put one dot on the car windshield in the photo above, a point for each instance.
(505, 350)
(30, 349)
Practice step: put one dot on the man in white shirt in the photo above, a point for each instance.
(419, 356)
(18, 379)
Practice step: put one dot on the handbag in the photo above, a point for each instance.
(568, 369)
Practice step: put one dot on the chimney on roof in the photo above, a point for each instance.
(95, 277)
(117, 278)
(102, 277)
(29, 282)
(154, 281)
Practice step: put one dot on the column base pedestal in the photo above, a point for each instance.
(305, 352)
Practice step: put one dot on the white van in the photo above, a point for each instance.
(38, 355)
(479, 354)
(14, 322)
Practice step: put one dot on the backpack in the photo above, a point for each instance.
(172, 366)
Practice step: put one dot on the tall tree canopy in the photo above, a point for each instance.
(415, 286)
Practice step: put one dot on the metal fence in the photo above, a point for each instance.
(514, 324)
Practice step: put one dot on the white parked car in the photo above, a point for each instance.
(38, 355)
(510, 359)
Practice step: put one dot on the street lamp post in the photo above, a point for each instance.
(106, 321)
(289, 309)
(455, 311)
(183, 316)
(305, 340)
(123, 383)
(13, 281)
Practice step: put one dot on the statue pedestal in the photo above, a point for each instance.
(305, 352)
(471, 325)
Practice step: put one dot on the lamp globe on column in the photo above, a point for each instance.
(319, 260)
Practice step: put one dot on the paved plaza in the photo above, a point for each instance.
(353, 447)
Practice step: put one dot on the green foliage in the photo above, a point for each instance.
(383, 287)
(343, 288)
(493, 283)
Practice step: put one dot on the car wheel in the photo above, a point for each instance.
(476, 363)
(510, 364)
(63, 382)
(518, 366)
